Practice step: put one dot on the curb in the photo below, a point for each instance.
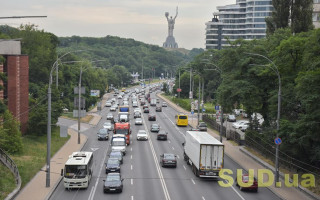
(266, 165)
(58, 182)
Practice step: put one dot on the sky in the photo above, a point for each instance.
(141, 20)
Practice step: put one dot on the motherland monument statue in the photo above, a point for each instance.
(170, 41)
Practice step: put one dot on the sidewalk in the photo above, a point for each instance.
(245, 161)
(36, 188)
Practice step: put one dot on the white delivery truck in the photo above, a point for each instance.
(204, 153)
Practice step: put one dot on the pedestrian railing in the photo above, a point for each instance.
(8, 162)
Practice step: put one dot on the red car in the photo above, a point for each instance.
(245, 179)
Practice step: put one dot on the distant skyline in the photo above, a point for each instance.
(141, 20)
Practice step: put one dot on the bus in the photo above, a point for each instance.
(77, 171)
(181, 119)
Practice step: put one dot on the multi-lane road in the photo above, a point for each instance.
(144, 178)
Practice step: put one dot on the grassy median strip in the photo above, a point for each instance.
(69, 115)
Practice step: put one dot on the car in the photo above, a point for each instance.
(158, 109)
(108, 104)
(117, 155)
(142, 135)
(137, 110)
(138, 121)
(244, 127)
(142, 103)
(240, 124)
(110, 116)
(103, 134)
(113, 108)
(119, 97)
(137, 114)
(158, 100)
(162, 135)
(108, 125)
(168, 160)
(146, 110)
(155, 128)
(134, 104)
(113, 100)
(202, 126)
(113, 183)
(112, 165)
(152, 117)
(164, 104)
(231, 118)
(245, 179)
(145, 106)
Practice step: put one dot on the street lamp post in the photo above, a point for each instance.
(275, 69)
(54, 66)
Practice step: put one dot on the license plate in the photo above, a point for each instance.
(112, 189)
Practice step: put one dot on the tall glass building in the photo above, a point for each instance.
(245, 19)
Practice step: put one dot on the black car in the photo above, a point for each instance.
(202, 126)
(112, 165)
(113, 183)
(155, 128)
(103, 134)
(158, 109)
(152, 117)
(162, 135)
(168, 160)
(146, 110)
(116, 154)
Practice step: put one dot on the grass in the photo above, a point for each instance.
(7, 181)
(85, 119)
(33, 156)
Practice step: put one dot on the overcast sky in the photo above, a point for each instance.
(142, 20)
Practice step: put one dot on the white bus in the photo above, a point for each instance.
(77, 171)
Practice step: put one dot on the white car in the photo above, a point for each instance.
(138, 121)
(142, 135)
(119, 97)
(137, 110)
(239, 124)
(134, 104)
(108, 125)
(108, 104)
(113, 108)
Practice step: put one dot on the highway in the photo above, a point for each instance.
(144, 178)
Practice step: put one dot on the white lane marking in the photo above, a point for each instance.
(173, 124)
(184, 167)
(131, 181)
(178, 156)
(91, 195)
(169, 141)
(235, 190)
(131, 167)
(172, 148)
(203, 198)
(131, 197)
(131, 149)
(131, 157)
(193, 181)
(162, 181)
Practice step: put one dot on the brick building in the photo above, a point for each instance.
(16, 88)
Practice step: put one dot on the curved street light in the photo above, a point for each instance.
(275, 69)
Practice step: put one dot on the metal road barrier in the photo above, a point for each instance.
(8, 162)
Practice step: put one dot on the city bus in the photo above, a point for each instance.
(77, 171)
(181, 119)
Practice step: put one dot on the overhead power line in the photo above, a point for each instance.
(18, 17)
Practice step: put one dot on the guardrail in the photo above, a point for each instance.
(8, 162)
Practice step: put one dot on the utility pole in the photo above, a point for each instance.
(199, 101)
(202, 102)
(179, 84)
(221, 126)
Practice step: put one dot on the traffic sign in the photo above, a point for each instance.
(192, 112)
(203, 110)
(178, 89)
(277, 140)
(190, 95)
(216, 107)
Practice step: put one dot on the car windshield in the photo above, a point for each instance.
(103, 131)
(155, 126)
(183, 117)
(118, 143)
(115, 154)
(169, 156)
(113, 161)
(162, 132)
(142, 133)
(203, 125)
(113, 178)
(122, 131)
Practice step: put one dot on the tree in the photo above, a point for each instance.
(10, 135)
(280, 16)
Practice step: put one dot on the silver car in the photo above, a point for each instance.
(138, 121)
(108, 125)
